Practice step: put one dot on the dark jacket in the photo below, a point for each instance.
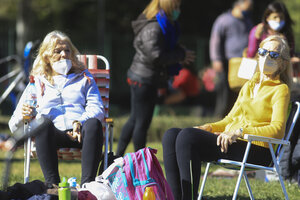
(290, 161)
(152, 55)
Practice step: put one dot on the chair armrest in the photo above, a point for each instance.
(266, 139)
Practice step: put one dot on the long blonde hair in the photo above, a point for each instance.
(41, 65)
(156, 5)
(285, 67)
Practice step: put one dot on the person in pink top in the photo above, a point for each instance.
(276, 21)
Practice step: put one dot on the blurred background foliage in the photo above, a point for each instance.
(104, 27)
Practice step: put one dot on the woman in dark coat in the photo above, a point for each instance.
(158, 56)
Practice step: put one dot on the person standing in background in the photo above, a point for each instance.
(229, 37)
(158, 56)
(275, 21)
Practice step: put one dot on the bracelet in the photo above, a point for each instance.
(76, 121)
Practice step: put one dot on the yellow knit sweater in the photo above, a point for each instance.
(264, 115)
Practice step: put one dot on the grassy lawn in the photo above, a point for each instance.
(216, 188)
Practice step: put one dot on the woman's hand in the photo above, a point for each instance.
(295, 60)
(27, 112)
(206, 127)
(227, 138)
(259, 30)
(75, 134)
(189, 57)
(6, 145)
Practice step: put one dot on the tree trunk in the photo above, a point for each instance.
(101, 25)
(23, 25)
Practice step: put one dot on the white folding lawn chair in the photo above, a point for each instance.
(244, 166)
(101, 74)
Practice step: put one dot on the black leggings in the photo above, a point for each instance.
(143, 98)
(49, 139)
(182, 146)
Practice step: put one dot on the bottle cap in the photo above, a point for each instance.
(72, 182)
(64, 183)
(31, 79)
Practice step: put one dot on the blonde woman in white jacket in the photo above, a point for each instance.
(69, 100)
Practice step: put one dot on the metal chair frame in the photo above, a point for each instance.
(244, 166)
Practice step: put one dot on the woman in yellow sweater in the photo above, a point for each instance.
(261, 109)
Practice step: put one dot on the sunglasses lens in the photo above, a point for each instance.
(274, 54)
(262, 52)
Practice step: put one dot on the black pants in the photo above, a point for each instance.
(50, 139)
(225, 97)
(143, 99)
(184, 146)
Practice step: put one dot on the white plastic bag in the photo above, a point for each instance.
(100, 190)
(100, 187)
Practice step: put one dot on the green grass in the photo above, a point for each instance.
(216, 188)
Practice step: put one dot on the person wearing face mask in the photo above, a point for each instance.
(185, 149)
(158, 57)
(69, 101)
(229, 37)
(275, 21)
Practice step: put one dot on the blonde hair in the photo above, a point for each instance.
(41, 65)
(156, 5)
(285, 67)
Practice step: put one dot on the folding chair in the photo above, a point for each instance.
(244, 166)
(102, 77)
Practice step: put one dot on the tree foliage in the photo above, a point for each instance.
(104, 26)
(293, 7)
(8, 9)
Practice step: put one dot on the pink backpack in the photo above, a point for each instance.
(142, 169)
(129, 177)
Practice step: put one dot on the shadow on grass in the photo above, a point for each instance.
(18, 160)
(227, 197)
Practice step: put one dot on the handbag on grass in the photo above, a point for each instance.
(240, 70)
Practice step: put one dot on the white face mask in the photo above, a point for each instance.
(267, 65)
(62, 66)
(276, 26)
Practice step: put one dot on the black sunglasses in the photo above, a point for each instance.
(263, 52)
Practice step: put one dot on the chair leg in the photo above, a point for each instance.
(248, 186)
(203, 181)
(282, 186)
(111, 138)
(27, 152)
(106, 147)
(237, 186)
(241, 171)
(278, 171)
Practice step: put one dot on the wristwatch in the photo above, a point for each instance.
(241, 131)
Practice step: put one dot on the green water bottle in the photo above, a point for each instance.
(64, 192)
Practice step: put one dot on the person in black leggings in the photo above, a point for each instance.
(260, 109)
(143, 99)
(68, 97)
(49, 139)
(182, 146)
(158, 56)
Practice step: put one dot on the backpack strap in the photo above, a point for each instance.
(136, 181)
